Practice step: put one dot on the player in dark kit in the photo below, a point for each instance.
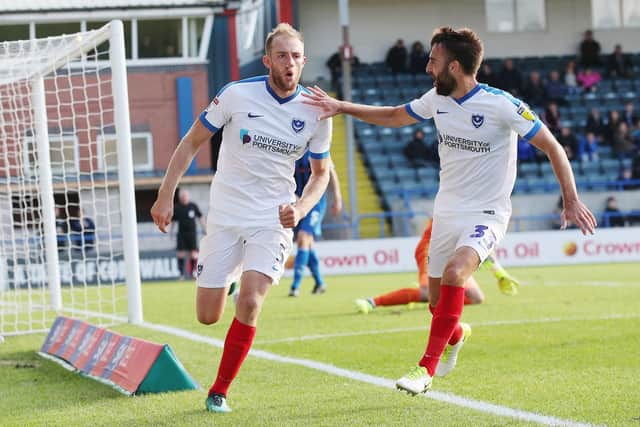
(310, 227)
(185, 214)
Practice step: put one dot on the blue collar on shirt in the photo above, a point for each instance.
(275, 95)
(467, 95)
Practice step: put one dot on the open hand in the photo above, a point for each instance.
(577, 213)
(319, 98)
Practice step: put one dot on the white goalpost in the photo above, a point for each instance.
(68, 233)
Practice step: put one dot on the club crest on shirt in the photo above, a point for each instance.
(297, 125)
(477, 120)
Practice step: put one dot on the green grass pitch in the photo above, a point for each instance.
(568, 346)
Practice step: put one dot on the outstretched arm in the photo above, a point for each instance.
(574, 210)
(382, 116)
(162, 209)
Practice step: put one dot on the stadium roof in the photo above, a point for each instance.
(42, 6)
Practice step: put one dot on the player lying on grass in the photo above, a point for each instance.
(472, 292)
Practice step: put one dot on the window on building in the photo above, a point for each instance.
(515, 15)
(63, 153)
(615, 14)
(195, 29)
(14, 32)
(250, 30)
(56, 29)
(631, 13)
(161, 38)
(142, 151)
(104, 47)
(605, 14)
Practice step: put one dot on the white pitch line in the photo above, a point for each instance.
(426, 328)
(478, 405)
(595, 283)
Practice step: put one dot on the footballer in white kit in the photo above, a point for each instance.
(477, 143)
(477, 127)
(262, 138)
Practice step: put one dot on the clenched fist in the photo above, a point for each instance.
(290, 215)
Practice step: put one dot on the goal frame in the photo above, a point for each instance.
(113, 32)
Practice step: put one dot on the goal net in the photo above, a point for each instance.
(68, 237)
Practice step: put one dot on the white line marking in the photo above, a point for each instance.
(426, 327)
(377, 381)
(607, 284)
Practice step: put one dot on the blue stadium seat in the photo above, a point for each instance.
(398, 161)
(528, 169)
(610, 166)
(428, 174)
(383, 174)
(376, 160)
(371, 147)
(367, 132)
(404, 175)
(590, 168)
(536, 184)
(520, 186)
(546, 169)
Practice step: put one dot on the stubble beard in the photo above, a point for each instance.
(279, 80)
(445, 83)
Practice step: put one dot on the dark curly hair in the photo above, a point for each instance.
(462, 45)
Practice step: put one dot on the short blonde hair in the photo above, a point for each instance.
(281, 29)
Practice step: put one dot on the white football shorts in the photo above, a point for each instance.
(480, 232)
(226, 252)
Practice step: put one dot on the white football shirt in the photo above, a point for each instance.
(477, 143)
(263, 136)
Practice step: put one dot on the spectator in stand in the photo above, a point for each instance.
(612, 126)
(625, 178)
(486, 75)
(629, 115)
(552, 117)
(612, 215)
(595, 124)
(635, 133)
(61, 229)
(623, 145)
(570, 77)
(589, 79)
(556, 90)
(418, 58)
(619, 64)
(588, 150)
(589, 50)
(417, 152)
(397, 56)
(82, 232)
(534, 93)
(335, 67)
(509, 78)
(635, 168)
(569, 142)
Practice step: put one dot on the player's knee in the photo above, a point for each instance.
(209, 318)
(454, 274)
(248, 305)
(475, 299)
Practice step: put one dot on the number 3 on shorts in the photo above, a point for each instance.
(479, 231)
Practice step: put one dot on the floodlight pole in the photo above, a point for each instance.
(346, 54)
